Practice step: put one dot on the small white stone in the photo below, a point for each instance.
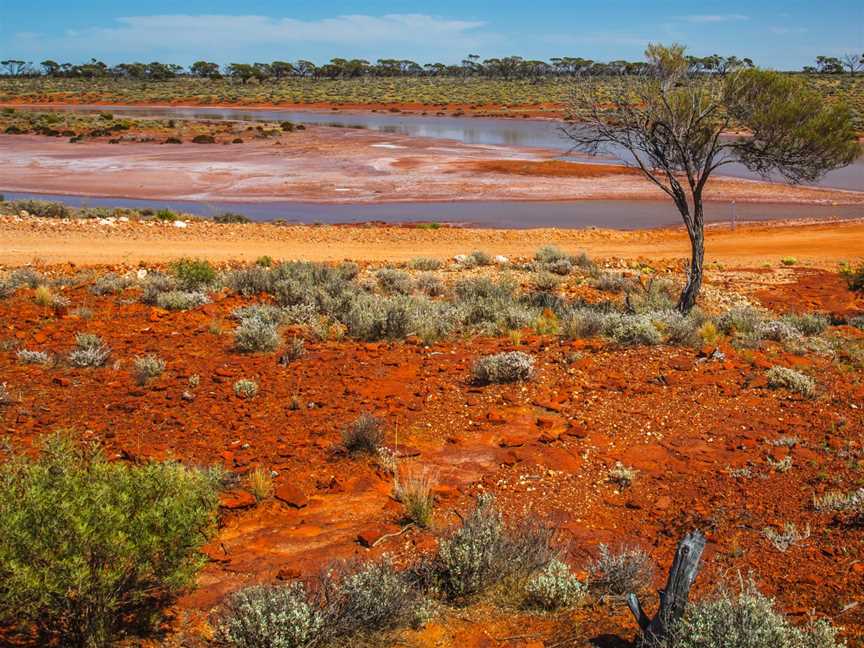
(501, 260)
(460, 258)
(180, 224)
(142, 272)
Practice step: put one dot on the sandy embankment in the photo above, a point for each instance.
(24, 241)
(325, 164)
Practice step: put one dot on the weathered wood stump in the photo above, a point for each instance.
(673, 599)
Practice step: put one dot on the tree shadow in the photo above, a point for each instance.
(611, 641)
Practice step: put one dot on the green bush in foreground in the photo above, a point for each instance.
(88, 545)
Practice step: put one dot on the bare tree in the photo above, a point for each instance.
(675, 127)
(853, 62)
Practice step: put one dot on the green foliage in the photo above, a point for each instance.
(257, 334)
(86, 545)
(746, 620)
(39, 208)
(231, 217)
(193, 274)
(246, 388)
(555, 587)
(855, 277)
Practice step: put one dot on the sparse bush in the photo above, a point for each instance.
(554, 588)
(788, 261)
(364, 435)
(783, 377)
(431, 285)
(33, 357)
(622, 475)
(111, 284)
(25, 277)
(265, 312)
(621, 572)
(87, 544)
(394, 281)
(147, 367)
(777, 331)
(747, 620)
(193, 274)
(484, 551)
(178, 300)
(855, 277)
(270, 617)
(740, 320)
(583, 323)
(788, 537)
(857, 322)
(807, 324)
(631, 330)
(545, 281)
(254, 280)
(550, 254)
(90, 351)
(43, 296)
(155, 284)
(41, 208)
(503, 368)
(425, 263)
(561, 267)
(6, 397)
(245, 388)
(231, 217)
(611, 282)
(685, 330)
(415, 494)
(841, 502)
(256, 334)
(480, 258)
(296, 350)
(264, 261)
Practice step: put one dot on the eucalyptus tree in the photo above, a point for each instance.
(676, 128)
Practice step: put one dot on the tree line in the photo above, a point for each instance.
(509, 67)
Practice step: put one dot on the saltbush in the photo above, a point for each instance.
(193, 274)
(177, 300)
(26, 356)
(555, 587)
(394, 281)
(146, 367)
(618, 573)
(88, 545)
(785, 378)
(503, 368)
(90, 351)
(256, 334)
(364, 435)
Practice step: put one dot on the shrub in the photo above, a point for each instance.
(747, 620)
(154, 284)
(611, 282)
(165, 215)
(41, 208)
(740, 320)
(807, 324)
(6, 397)
(193, 274)
(90, 351)
(857, 322)
(480, 258)
(622, 475)
(631, 330)
(583, 323)
(777, 331)
(550, 254)
(111, 284)
(788, 261)
(25, 277)
(256, 334)
(619, 573)
(686, 330)
(264, 261)
(253, 280)
(270, 617)
(554, 588)
(425, 263)
(33, 357)
(545, 281)
(415, 494)
(147, 367)
(86, 544)
(231, 217)
(265, 312)
(178, 300)
(43, 296)
(394, 281)
(783, 377)
(788, 537)
(364, 435)
(561, 267)
(245, 388)
(431, 285)
(503, 368)
(483, 551)
(855, 277)
(296, 350)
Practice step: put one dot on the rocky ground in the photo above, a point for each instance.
(712, 446)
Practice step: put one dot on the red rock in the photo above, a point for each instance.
(237, 499)
(287, 574)
(576, 430)
(494, 416)
(545, 421)
(60, 381)
(369, 536)
(663, 502)
(291, 495)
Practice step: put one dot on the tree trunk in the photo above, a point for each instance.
(673, 599)
(696, 231)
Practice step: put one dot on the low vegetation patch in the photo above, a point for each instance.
(507, 367)
(88, 546)
(364, 435)
(90, 351)
(617, 573)
(246, 388)
(795, 381)
(147, 367)
(554, 588)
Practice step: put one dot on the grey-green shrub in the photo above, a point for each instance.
(193, 274)
(430, 285)
(484, 550)
(631, 330)
(246, 388)
(86, 543)
(252, 280)
(617, 573)
(111, 284)
(280, 616)
(740, 320)
(144, 368)
(746, 620)
(550, 254)
(582, 323)
(425, 263)
(783, 377)
(26, 356)
(545, 281)
(264, 312)
(807, 324)
(504, 367)
(154, 284)
(178, 300)
(90, 351)
(554, 587)
(394, 281)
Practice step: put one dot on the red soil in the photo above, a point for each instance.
(681, 420)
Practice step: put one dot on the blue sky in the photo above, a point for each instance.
(783, 35)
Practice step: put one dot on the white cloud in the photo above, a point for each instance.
(215, 34)
(713, 18)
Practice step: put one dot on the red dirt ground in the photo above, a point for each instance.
(682, 420)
